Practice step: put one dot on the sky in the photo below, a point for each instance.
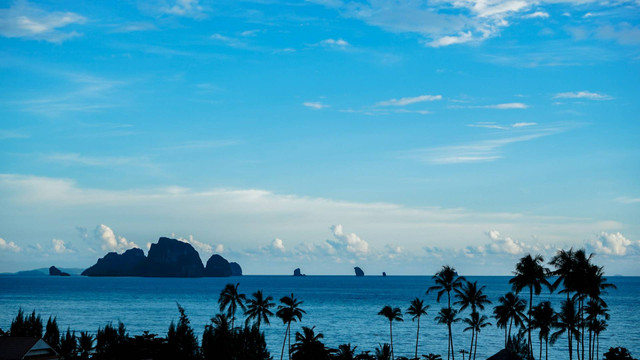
(397, 136)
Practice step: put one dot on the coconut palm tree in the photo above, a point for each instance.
(432, 357)
(595, 309)
(308, 345)
(448, 316)
(383, 352)
(598, 327)
(85, 343)
(476, 323)
(392, 314)
(564, 262)
(258, 308)
(463, 352)
(509, 312)
(345, 352)
(289, 311)
(543, 318)
(469, 295)
(230, 300)
(530, 274)
(417, 309)
(567, 320)
(446, 280)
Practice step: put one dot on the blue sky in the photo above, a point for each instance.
(397, 136)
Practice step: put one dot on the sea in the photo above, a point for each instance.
(343, 308)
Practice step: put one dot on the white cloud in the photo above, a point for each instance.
(219, 249)
(409, 100)
(537, 14)
(627, 200)
(23, 20)
(9, 246)
(461, 38)
(315, 105)
(506, 106)
(109, 241)
(613, 244)
(504, 244)
(334, 43)
(59, 246)
(201, 247)
(480, 151)
(524, 124)
(349, 241)
(582, 95)
(232, 42)
(186, 8)
(493, 125)
(277, 244)
(11, 134)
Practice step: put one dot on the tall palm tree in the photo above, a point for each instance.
(564, 262)
(567, 320)
(309, 346)
(417, 309)
(448, 316)
(598, 327)
(258, 308)
(509, 312)
(230, 299)
(543, 318)
(470, 295)
(446, 280)
(476, 323)
(530, 274)
(595, 309)
(392, 314)
(289, 311)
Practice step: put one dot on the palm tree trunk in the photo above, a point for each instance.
(540, 357)
(510, 323)
(582, 325)
(570, 345)
(285, 340)
(505, 336)
(289, 340)
(472, 339)
(453, 353)
(391, 335)
(476, 348)
(598, 347)
(546, 347)
(529, 324)
(417, 337)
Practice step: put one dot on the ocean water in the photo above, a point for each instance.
(343, 308)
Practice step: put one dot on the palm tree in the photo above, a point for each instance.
(308, 345)
(595, 309)
(392, 314)
(543, 318)
(432, 357)
(230, 300)
(345, 352)
(598, 327)
(85, 342)
(470, 295)
(564, 262)
(417, 309)
(383, 352)
(567, 320)
(258, 308)
(446, 280)
(509, 312)
(448, 316)
(463, 352)
(289, 311)
(476, 323)
(530, 273)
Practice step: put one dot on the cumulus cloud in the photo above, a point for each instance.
(537, 14)
(23, 20)
(334, 43)
(59, 246)
(198, 245)
(582, 95)
(350, 242)
(504, 244)
(109, 241)
(9, 246)
(315, 105)
(409, 100)
(613, 244)
(277, 244)
(506, 106)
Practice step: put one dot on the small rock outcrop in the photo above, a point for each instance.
(297, 272)
(217, 266)
(114, 264)
(384, 274)
(54, 271)
(358, 271)
(236, 269)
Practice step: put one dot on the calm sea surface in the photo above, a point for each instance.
(343, 308)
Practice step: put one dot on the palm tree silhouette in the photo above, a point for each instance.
(432, 357)
(289, 311)
(463, 351)
(470, 295)
(598, 327)
(417, 309)
(595, 309)
(345, 352)
(383, 352)
(85, 343)
(448, 316)
(476, 323)
(392, 314)
(509, 312)
(258, 308)
(567, 320)
(230, 300)
(308, 345)
(543, 318)
(446, 280)
(530, 273)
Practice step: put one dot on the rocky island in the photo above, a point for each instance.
(358, 271)
(54, 271)
(167, 258)
(297, 272)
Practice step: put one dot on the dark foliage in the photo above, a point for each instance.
(52, 334)
(30, 326)
(618, 353)
(220, 342)
(181, 339)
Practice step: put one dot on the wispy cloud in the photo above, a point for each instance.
(409, 100)
(12, 134)
(627, 200)
(474, 152)
(134, 27)
(71, 159)
(229, 41)
(506, 106)
(186, 8)
(493, 125)
(537, 15)
(315, 105)
(334, 43)
(24, 20)
(202, 144)
(582, 95)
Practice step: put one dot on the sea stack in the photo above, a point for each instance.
(358, 271)
(297, 272)
(384, 274)
(54, 271)
(217, 266)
